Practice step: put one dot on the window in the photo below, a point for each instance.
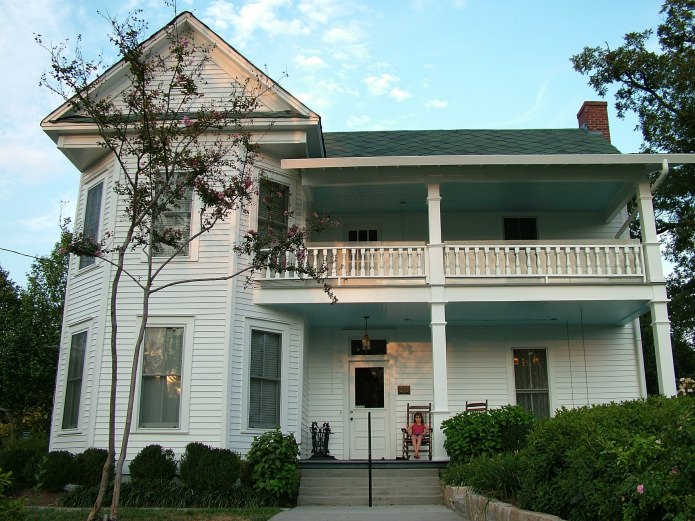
(178, 219)
(531, 378)
(160, 393)
(520, 229)
(264, 388)
(376, 347)
(273, 207)
(73, 385)
(92, 214)
(366, 235)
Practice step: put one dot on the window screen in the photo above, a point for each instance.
(160, 394)
(520, 229)
(264, 393)
(92, 216)
(73, 385)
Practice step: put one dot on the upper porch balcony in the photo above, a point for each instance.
(476, 262)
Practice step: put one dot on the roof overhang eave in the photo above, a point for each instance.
(487, 160)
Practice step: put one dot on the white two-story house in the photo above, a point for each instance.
(481, 264)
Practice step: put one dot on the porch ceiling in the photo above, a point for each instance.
(471, 197)
(407, 314)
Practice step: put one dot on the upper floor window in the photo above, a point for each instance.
(520, 229)
(273, 208)
(178, 219)
(160, 391)
(363, 235)
(73, 384)
(92, 218)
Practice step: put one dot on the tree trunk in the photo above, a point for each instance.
(106, 471)
(131, 400)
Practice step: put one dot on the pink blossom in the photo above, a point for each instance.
(184, 42)
(640, 488)
(187, 121)
(248, 182)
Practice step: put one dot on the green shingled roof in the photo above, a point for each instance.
(464, 142)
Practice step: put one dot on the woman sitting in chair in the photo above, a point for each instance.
(417, 431)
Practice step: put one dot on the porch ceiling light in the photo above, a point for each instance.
(366, 343)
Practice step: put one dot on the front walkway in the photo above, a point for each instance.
(378, 513)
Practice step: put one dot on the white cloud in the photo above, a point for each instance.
(533, 111)
(459, 4)
(310, 62)
(359, 122)
(380, 85)
(436, 103)
(385, 84)
(399, 94)
(342, 35)
(256, 15)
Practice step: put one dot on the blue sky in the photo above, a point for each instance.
(361, 64)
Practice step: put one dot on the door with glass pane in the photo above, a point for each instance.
(369, 393)
(531, 379)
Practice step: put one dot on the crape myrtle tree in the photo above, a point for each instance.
(169, 141)
(654, 78)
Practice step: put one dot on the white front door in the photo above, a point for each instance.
(369, 393)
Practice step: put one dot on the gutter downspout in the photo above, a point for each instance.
(655, 186)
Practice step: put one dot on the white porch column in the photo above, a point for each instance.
(435, 278)
(439, 378)
(650, 242)
(435, 248)
(661, 326)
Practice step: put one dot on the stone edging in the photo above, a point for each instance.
(479, 508)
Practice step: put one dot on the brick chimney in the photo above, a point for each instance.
(593, 117)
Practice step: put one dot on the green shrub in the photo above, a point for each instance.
(21, 457)
(153, 463)
(57, 470)
(494, 476)
(210, 471)
(166, 494)
(190, 462)
(631, 461)
(470, 434)
(273, 460)
(89, 466)
(221, 471)
(10, 509)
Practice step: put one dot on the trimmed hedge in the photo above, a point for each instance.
(153, 463)
(470, 434)
(90, 464)
(57, 470)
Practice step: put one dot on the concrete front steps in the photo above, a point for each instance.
(347, 484)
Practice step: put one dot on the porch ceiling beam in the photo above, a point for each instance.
(486, 160)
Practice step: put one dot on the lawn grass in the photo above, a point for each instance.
(157, 514)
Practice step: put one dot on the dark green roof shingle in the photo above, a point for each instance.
(464, 142)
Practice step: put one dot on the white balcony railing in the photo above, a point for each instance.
(543, 260)
(474, 260)
(361, 262)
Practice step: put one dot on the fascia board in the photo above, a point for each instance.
(488, 160)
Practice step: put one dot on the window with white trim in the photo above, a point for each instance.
(273, 208)
(265, 379)
(160, 386)
(92, 219)
(73, 383)
(176, 219)
(531, 379)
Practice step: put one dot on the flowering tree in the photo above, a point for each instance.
(170, 143)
